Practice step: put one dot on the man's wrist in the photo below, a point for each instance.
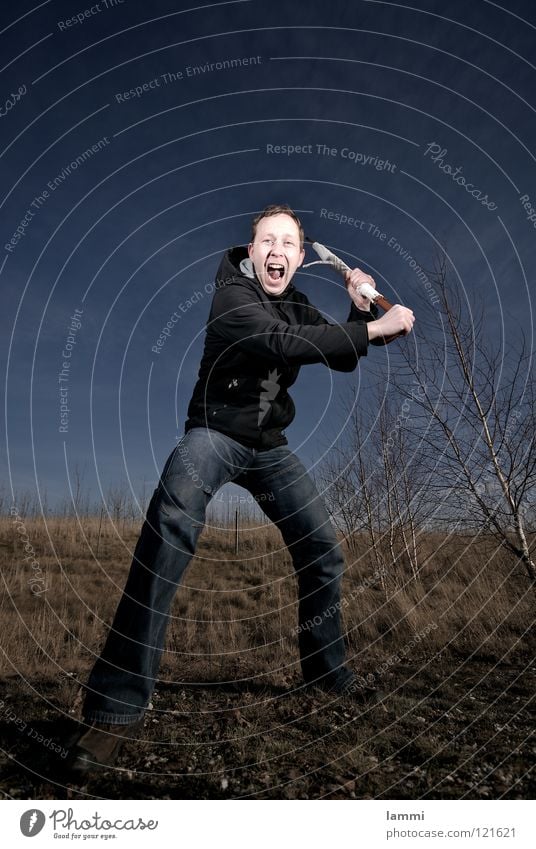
(372, 330)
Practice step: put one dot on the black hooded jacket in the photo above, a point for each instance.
(254, 346)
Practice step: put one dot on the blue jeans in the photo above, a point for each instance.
(123, 677)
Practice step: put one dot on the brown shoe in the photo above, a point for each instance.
(98, 745)
(357, 689)
(363, 691)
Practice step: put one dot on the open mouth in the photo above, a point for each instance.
(275, 271)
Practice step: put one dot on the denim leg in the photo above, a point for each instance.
(123, 678)
(288, 496)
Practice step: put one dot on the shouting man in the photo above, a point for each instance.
(261, 329)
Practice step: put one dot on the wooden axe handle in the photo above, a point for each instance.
(383, 303)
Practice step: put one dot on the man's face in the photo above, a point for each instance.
(275, 252)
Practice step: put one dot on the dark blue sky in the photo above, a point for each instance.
(137, 142)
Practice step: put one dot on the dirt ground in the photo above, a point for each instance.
(448, 730)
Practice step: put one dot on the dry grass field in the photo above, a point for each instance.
(452, 651)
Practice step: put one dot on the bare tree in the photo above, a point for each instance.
(452, 444)
(404, 480)
(116, 502)
(80, 499)
(477, 428)
(375, 484)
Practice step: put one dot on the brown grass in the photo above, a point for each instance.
(229, 605)
(467, 616)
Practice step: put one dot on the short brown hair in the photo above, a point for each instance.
(276, 209)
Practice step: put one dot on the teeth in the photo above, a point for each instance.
(275, 269)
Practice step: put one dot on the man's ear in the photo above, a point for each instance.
(302, 256)
(250, 248)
